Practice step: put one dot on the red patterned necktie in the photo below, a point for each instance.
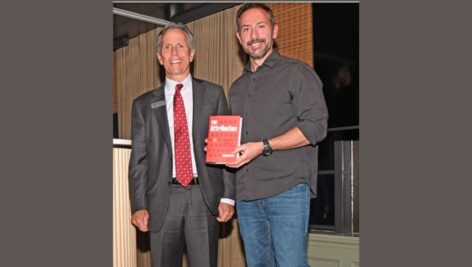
(183, 161)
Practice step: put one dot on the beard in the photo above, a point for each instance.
(261, 54)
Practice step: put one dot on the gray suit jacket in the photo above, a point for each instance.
(150, 167)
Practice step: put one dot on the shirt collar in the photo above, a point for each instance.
(170, 84)
(270, 60)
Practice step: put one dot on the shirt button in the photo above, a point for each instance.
(247, 132)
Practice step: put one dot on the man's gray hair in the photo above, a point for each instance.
(180, 26)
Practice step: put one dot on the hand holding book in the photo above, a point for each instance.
(246, 152)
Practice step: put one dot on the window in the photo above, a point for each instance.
(336, 46)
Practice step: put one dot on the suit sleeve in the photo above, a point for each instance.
(228, 175)
(138, 164)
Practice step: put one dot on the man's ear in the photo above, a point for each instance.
(239, 37)
(159, 58)
(275, 31)
(192, 54)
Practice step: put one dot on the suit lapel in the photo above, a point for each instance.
(161, 115)
(199, 92)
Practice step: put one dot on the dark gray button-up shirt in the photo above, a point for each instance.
(281, 94)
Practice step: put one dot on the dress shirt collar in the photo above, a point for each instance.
(170, 84)
(270, 60)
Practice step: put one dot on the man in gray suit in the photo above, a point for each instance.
(174, 195)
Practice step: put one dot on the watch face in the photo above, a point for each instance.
(267, 149)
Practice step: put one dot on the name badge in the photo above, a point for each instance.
(158, 104)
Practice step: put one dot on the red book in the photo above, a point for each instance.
(224, 135)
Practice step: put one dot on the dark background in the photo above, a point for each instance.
(336, 56)
(336, 61)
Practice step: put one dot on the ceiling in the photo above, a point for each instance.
(336, 33)
(125, 28)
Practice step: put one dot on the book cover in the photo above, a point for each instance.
(224, 135)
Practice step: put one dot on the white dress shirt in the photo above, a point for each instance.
(187, 96)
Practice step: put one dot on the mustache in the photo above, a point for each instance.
(253, 41)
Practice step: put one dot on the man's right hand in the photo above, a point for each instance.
(140, 219)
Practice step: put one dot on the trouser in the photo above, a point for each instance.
(274, 229)
(188, 223)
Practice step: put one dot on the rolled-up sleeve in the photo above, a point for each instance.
(309, 104)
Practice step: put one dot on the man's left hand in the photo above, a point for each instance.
(226, 212)
(247, 152)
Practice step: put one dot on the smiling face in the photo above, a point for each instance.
(175, 54)
(256, 34)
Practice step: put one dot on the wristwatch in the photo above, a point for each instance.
(267, 150)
